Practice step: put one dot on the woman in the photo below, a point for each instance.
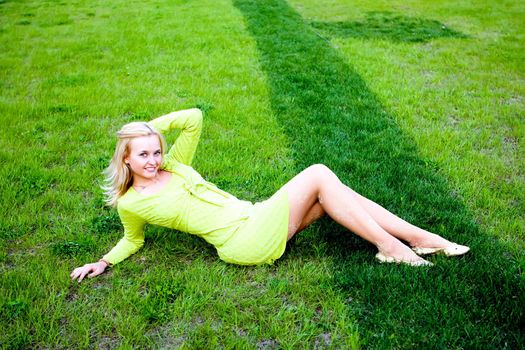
(148, 186)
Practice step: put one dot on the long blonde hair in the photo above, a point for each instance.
(118, 175)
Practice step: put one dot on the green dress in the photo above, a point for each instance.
(242, 232)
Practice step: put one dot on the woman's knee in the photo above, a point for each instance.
(321, 171)
(310, 180)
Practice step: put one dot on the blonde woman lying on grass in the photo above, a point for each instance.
(147, 185)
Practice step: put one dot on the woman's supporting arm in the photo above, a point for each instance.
(133, 238)
(189, 121)
(132, 241)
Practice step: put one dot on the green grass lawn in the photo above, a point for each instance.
(417, 105)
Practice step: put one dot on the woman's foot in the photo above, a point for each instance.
(431, 243)
(400, 254)
(452, 249)
(390, 259)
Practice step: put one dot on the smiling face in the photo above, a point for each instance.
(144, 158)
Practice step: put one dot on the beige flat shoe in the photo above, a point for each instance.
(389, 259)
(451, 250)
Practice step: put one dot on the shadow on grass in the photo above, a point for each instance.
(332, 117)
(389, 26)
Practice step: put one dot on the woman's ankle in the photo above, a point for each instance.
(430, 240)
(395, 248)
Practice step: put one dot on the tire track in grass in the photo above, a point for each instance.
(331, 117)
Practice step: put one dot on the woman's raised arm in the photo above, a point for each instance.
(189, 121)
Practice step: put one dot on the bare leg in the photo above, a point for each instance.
(315, 212)
(318, 184)
(397, 227)
(415, 236)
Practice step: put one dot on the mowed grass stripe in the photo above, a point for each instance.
(332, 117)
(458, 99)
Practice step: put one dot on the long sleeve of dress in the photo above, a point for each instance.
(189, 121)
(133, 238)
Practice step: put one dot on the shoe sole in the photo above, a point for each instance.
(388, 259)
